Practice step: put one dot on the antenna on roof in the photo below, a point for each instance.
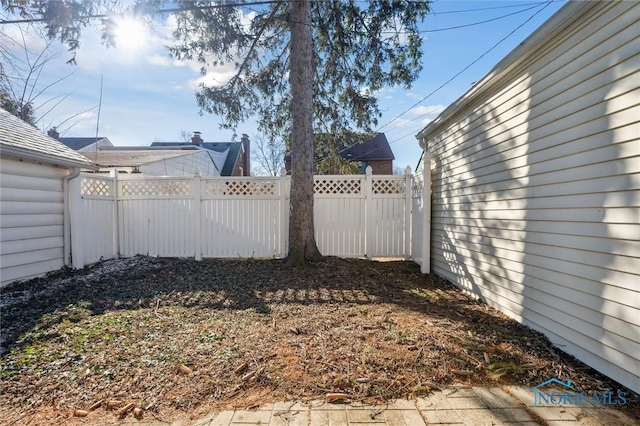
(95, 158)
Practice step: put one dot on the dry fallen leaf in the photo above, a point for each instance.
(96, 405)
(241, 368)
(124, 410)
(184, 369)
(333, 397)
(356, 337)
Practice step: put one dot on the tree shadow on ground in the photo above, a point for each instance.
(306, 325)
(148, 283)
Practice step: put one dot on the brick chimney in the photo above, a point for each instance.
(53, 132)
(246, 157)
(196, 139)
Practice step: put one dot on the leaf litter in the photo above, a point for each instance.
(171, 339)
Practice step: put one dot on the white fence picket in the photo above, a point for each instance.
(388, 227)
(340, 226)
(98, 218)
(240, 217)
(339, 208)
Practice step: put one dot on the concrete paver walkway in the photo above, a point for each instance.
(457, 405)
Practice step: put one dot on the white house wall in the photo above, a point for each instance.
(184, 165)
(537, 189)
(102, 143)
(31, 220)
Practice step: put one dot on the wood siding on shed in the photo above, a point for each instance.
(31, 220)
(536, 190)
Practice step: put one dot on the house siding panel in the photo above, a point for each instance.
(536, 189)
(31, 216)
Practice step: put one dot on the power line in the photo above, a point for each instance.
(463, 70)
(156, 11)
(489, 8)
(258, 3)
(449, 81)
(480, 22)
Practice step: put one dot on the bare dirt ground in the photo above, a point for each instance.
(176, 339)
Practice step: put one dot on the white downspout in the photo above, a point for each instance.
(66, 221)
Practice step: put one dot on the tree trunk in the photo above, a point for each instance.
(302, 241)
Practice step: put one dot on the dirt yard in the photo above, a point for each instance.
(175, 339)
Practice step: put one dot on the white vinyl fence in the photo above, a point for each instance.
(355, 215)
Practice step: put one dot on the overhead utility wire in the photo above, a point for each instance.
(446, 83)
(480, 22)
(490, 8)
(257, 3)
(441, 29)
(463, 70)
(156, 11)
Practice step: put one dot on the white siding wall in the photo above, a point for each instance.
(537, 190)
(31, 220)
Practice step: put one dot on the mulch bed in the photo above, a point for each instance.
(175, 339)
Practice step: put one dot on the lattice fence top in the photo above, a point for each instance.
(156, 187)
(337, 186)
(388, 186)
(247, 187)
(93, 186)
(240, 187)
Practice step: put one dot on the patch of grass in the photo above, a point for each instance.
(504, 368)
(422, 294)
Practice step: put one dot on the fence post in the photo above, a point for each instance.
(197, 216)
(425, 267)
(283, 234)
(76, 224)
(407, 212)
(116, 219)
(370, 230)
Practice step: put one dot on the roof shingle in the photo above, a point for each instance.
(21, 137)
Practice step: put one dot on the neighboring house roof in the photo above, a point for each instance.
(374, 148)
(82, 142)
(130, 158)
(232, 150)
(156, 161)
(22, 140)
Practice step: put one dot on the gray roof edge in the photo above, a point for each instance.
(44, 158)
(564, 17)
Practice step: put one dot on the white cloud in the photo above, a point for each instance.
(17, 38)
(401, 122)
(215, 77)
(162, 61)
(427, 110)
(81, 124)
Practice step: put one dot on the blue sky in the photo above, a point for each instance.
(148, 96)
